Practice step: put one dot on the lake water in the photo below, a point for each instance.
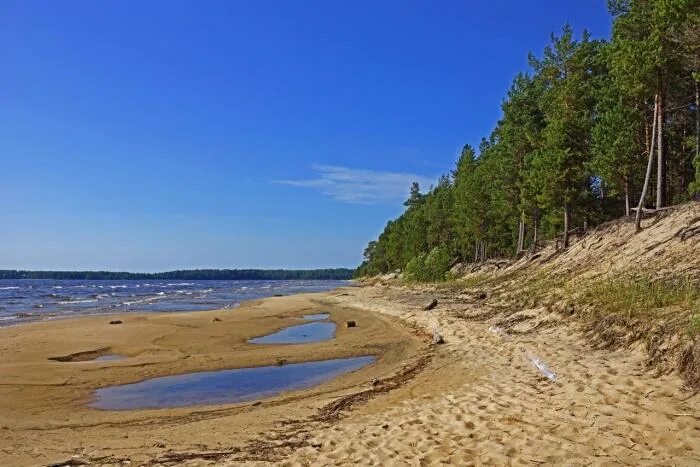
(223, 387)
(31, 300)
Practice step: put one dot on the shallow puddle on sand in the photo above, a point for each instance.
(225, 386)
(299, 334)
(109, 358)
(316, 316)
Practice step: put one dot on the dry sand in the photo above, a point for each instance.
(482, 402)
(476, 400)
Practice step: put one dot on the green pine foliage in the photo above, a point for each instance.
(570, 149)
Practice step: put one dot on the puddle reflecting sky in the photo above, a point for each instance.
(222, 387)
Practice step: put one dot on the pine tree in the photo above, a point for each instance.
(561, 164)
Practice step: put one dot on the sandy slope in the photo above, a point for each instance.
(483, 402)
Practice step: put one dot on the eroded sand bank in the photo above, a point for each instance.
(481, 401)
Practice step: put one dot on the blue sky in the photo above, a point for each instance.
(155, 135)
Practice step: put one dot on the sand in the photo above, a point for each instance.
(43, 414)
(482, 402)
(475, 400)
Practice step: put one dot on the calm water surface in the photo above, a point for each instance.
(300, 334)
(223, 387)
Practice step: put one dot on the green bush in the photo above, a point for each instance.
(415, 269)
(436, 264)
(428, 268)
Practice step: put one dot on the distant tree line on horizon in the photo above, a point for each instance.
(592, 131)
(194, 274)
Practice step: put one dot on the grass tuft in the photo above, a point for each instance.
(640, 296)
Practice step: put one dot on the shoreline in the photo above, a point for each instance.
(44, 415)
(478, 399)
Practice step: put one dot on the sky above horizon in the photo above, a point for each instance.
(149, 136)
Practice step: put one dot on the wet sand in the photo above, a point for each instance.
(47, 378)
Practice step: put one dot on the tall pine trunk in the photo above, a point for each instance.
(521, 234)
(534, 236)
(697, 122)
(661, 155)
(650, 162)
(627, 197)
(697, 134)
(566, 225)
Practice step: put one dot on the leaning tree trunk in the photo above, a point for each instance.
(661, 155)
(521, 234)
(638, 217)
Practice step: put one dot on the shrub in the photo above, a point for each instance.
(415, 269)
(436, 264)
(428, 268)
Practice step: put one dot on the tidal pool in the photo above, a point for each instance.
(299, 334)
(223, 387)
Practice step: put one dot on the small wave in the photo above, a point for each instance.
(57, 287)
(71, 302)
(118, 286)
(7, 318)
(143, 300)
(9, 288)
(180, 284)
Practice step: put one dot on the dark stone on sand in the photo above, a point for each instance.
(433, 303)
(257, 403)
(278, 295)
(482, 296)
(217, 319)
(116, 321)
(350, 324)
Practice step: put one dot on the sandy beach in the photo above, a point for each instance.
(481, 401)
(475, 400)
(43, 414)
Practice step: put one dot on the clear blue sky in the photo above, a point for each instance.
(151, 135)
